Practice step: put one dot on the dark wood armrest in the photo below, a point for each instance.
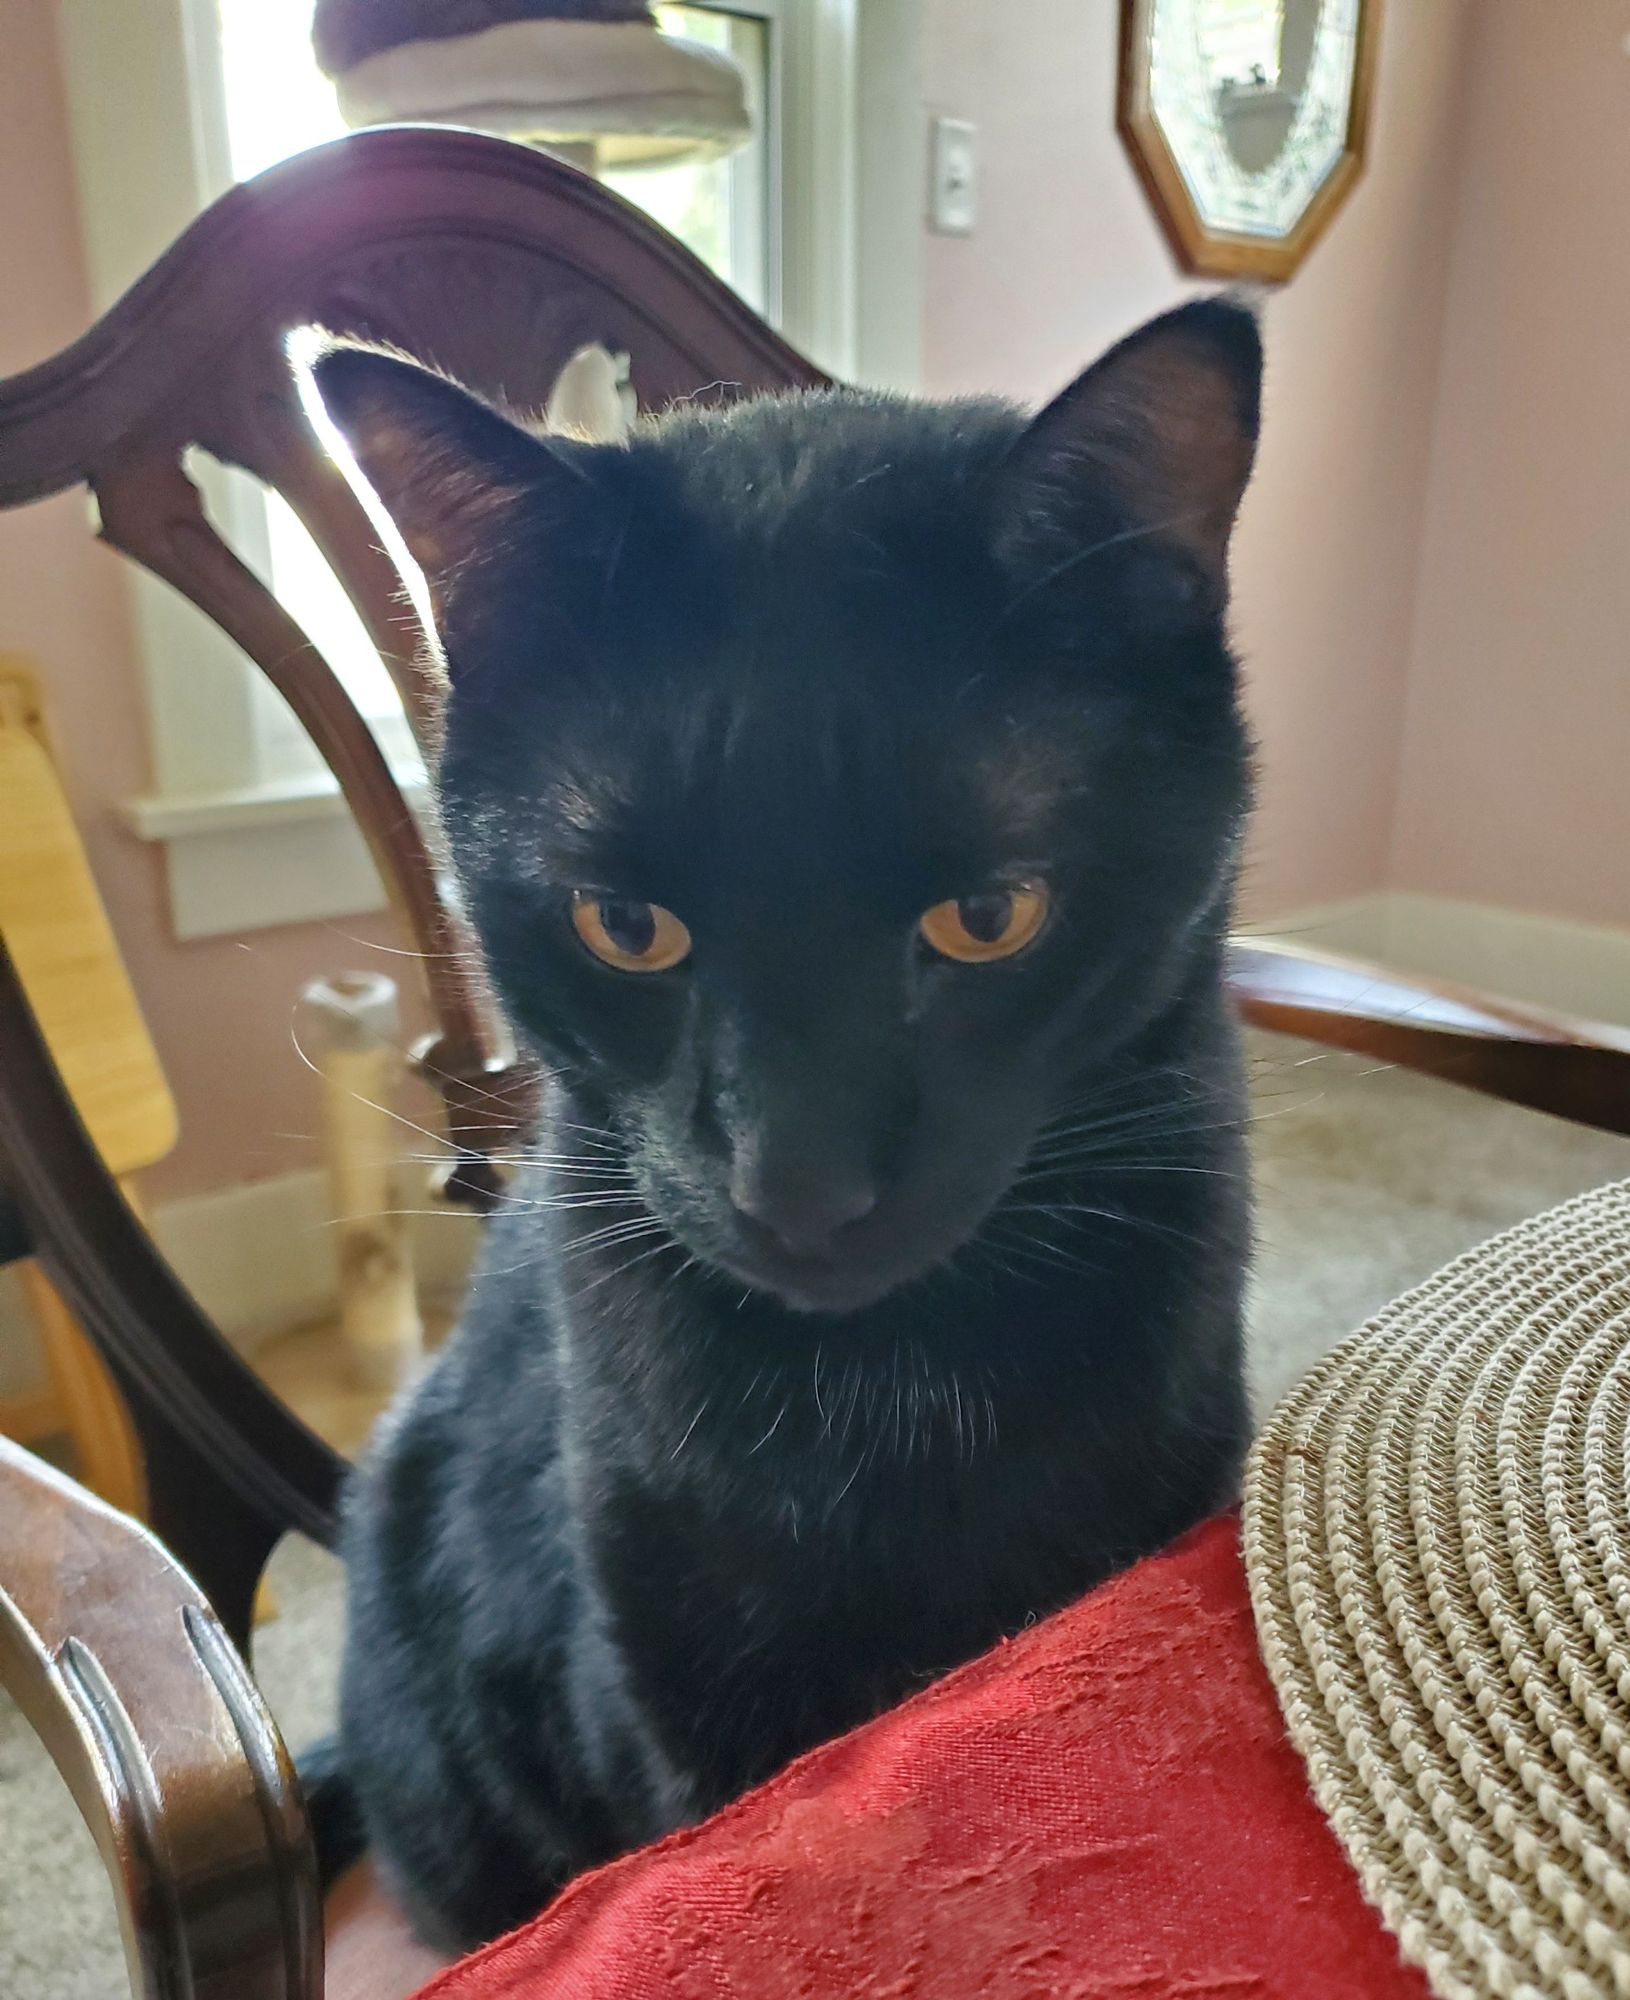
(121, 1667)
(1574, 1069)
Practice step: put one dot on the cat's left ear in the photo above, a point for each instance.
(1154, 442)
(448, 481)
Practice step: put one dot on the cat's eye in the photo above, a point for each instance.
(631, 935)
(974, 930)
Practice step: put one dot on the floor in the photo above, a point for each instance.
(307, 1368)
(1368, 1180)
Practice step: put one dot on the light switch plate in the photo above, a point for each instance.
(954, 178)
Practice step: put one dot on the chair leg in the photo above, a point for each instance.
(109, 1460)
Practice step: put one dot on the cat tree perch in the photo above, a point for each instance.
(353, 1025)
(595, 80)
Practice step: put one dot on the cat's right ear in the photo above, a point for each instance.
(1152, 446)
(449, 482)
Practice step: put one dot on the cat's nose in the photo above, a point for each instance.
(804, 1221)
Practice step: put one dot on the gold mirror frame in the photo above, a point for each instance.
(1215, 253)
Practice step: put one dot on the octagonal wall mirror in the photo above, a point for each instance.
(1246, 121)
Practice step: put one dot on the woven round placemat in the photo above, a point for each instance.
(1437, 1535)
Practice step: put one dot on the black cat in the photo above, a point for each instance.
(847, 793)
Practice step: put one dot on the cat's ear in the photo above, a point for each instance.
(1153, 443)
(448, 481)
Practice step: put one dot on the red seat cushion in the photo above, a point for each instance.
(1105, 1806)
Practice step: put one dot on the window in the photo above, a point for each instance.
(724, 210)
(273, 102)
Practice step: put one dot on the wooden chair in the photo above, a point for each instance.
(499, 264)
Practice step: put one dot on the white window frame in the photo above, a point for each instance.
(253, 836)
(761, 215)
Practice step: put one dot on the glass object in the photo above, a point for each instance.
(1246, 119)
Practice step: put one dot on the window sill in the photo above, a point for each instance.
(258, 856)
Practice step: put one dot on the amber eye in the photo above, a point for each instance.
(994, 924)
(633, 936)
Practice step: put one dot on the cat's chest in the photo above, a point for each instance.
(816, 1626)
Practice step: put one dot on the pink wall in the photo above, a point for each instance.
(219, 1010)
(1515, 781)
(1067, 256)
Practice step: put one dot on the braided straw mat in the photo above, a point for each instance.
(1437, 1536)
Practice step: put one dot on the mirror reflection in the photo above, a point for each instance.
(1253, 98)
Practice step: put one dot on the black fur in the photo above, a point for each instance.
(676, 1501)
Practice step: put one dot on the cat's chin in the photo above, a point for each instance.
(805, 1287)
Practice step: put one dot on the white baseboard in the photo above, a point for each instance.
(262, 1257)
(1574, 968)
(259, 1259)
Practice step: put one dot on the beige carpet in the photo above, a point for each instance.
(1368, 1180)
